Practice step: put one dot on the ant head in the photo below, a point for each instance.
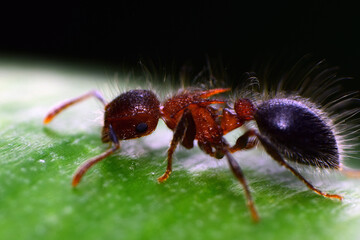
(133, 114)
(244, 109)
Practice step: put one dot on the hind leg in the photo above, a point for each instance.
(272, 151)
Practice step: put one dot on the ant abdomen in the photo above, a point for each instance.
(298, 131)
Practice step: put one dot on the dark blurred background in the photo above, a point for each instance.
(241, 35)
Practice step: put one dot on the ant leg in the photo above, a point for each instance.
(56, 110)
(271, 150)
(245, 142)
(206, 147)
(235, 168)
(89, 163)
(189, 135)
(179, 134)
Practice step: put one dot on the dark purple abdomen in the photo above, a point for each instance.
(298, 132)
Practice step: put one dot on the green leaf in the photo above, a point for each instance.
(119, 198)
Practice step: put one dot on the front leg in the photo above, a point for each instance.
(179, 134)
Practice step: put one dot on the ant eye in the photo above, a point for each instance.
(141, 127)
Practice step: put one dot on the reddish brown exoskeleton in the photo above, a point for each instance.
(188, 114)
(286, 128)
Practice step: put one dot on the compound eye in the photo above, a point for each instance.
(141, 127)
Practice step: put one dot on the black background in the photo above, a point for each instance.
(239, 34)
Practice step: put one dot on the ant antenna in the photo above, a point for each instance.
(89, 163)
(56, 110)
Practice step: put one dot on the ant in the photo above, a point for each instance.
(287, 128)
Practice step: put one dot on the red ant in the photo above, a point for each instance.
(287, 128)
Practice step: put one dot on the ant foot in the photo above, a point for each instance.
(164, 177)
(335, 196)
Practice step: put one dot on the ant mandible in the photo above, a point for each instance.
(287, 128)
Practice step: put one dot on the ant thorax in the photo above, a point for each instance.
(173, 108)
